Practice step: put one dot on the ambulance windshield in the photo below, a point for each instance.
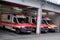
(43, 21)
(49, 22)
(22, 20)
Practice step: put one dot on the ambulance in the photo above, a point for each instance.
(44, 26)
(51, 26)
(16, 22)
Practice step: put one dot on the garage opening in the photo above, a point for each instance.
(53, 20)
(24, 15)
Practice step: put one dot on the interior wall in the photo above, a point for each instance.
(37, 3)
(57, 20)
(51, 7)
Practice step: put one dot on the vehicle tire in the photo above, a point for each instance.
(46, 31)
(17, 31)
(51, 30)
(34, 30)
(3, 27)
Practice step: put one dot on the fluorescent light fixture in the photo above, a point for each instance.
(29, 7)
(16, 8)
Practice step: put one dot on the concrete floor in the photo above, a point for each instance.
(9, 35)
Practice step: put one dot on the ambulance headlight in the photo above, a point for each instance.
(18, 26)
(22, 26)
(54, 26)
(49, 27)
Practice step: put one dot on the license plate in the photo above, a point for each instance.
(28, 31)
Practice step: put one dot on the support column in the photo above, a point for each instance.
(39, 17)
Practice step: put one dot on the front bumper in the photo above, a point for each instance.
(44, 29)
(52, 29)
(26, 30)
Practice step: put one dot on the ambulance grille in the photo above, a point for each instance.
(28, 28)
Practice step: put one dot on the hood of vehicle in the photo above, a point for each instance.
(44, 25)
(52, 25)
(24, 24)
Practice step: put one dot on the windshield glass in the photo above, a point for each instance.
(49, 22)
(44, 22)
(22, 20)
(34, 21)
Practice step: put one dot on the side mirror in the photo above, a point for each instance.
(15, 20)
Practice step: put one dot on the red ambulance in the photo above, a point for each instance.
(44, 26)
(16, 22)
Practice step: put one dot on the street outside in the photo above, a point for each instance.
(9, 35)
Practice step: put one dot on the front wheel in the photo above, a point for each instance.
(3, 27)
(17, 31)
(46, 31)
